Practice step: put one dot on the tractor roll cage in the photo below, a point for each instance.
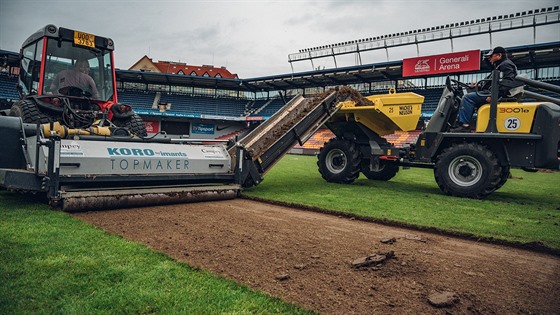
(52, 50)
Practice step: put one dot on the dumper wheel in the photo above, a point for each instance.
(468, 170)
(386, 171)
(134, 124)
(505, 175)
(29, 112)
(339, 161)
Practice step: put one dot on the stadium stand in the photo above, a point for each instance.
(314, 144)
(137, 99)
(270, 107)
(145, 100)
(204, 105)
(8, 89)
(232, 135)
(256, 106)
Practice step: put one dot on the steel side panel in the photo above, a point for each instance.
(90, 158)
(20, 180)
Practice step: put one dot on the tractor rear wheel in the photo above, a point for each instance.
(385, 172)
(29, 112)
(339, 161)
(468, 170)
(134, 124)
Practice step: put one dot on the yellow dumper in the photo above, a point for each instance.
(471, 164)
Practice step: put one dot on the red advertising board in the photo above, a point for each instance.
(254, 118)
(152, 126)
(445, 63)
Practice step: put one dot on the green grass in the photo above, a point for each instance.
(52, 263)
(525, 210)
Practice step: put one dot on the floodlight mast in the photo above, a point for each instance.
(489, 25)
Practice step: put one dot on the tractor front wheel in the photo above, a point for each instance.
(29, 112)
(134, 124)
(339, 161)
(468, 170)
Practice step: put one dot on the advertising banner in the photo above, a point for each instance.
(445, 63)
(152, 126)
(255, 118)
(204, 129)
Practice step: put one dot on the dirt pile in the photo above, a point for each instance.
(346, 93)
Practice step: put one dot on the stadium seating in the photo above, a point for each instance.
(8, 89)
(399, 139)
(205, 105)
(180, 103)
(270, 107)
(232, 135)
(137, 99)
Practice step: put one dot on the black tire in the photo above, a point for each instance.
(339, 161)
(386, 171)
(504, 176)
(29, 112)
(134, 124)
(468, 170)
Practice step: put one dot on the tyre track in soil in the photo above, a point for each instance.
(306, 258)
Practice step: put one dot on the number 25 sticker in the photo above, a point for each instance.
(512, 123)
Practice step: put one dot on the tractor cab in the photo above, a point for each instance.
(68, 76)
(52, 53)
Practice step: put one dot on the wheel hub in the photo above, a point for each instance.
(465, 170)
(336, 161)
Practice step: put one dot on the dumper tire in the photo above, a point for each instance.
(505, 175)
(386, 171)
(468, 170)
(29, 112)
(134, 124)
(339, 161)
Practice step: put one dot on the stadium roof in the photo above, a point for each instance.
(180, 80)
(525, 57)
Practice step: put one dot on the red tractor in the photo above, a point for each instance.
(68, 76)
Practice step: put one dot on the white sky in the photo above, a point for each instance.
(254, 38)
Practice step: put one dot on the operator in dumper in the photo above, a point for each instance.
(78, 77)
(499, 60)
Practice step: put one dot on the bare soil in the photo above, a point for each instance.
(336, 265)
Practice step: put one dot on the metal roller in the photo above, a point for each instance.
(74, 201)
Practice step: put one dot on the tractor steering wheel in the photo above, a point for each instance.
(454, 85)
(479, 88)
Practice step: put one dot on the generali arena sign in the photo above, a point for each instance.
(446, 63)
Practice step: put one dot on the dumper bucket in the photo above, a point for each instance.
(389, 112)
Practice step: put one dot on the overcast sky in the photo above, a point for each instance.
(254, 38)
